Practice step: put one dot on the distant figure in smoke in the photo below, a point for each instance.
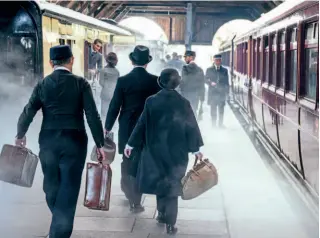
(193, 83)
(167, 131)
(108, 80)
(175, 63)
(218, 81)
(128, 100)
(168, 57)
(180, 57)
(63, 97)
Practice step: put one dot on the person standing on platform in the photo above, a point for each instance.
(95, 59)
(108, 80)
(175, 62)
(193, 83)
(167, 131)
(63, 97)
(218, 81)
(128, 99)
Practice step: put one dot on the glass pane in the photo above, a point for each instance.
(311, 72)
(309, 31)
(293, 71)
(274, 68)
(282, 71)
(266, 67)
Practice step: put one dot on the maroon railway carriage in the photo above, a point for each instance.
(275, 78)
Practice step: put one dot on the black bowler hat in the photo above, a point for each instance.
(140, 55)
(60, 52)
(169, 79)
(217, 56)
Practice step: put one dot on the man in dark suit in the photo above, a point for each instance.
(63, 97)
(218, 82)
(193, 84)
(95, 59)
(128, 99)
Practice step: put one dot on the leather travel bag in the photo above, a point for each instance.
(109, 148)
(202, 177)
(98, 186)
(18, 165)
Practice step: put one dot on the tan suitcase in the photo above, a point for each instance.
(17, 165)
(202, 177)
(98, 186)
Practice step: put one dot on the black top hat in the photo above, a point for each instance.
(169, 79)
(190, 53)
(60, 52)
(140, 55)
(217, 56)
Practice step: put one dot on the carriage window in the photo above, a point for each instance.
(293, 70)
(311, 56)
(316, 31)
(254, 58)
(273, 80)
(258, 59)
(311, 62)
(282, 69)
(266, 66)
(309, 31)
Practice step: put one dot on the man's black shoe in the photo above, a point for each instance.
(136, 208)
(171, 229)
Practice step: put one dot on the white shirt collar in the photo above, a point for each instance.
(60, 68)
(138, 66)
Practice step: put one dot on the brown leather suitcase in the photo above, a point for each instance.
(109, 148)
(17, 165)
(98, 186)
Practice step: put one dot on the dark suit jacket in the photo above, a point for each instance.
(95, 59)
(128, 99)
(221, 78)
(63, 97)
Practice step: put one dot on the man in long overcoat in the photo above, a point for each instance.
(218, 81)
(192, 84)
(128, 100)
(167, 131)
(63, 97)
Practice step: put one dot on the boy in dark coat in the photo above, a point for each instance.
(167, 131)
(128, 100)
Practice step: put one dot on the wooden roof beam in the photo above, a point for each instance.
(103, 11)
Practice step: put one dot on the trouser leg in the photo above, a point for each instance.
(72, 159)
(51, 181)
(128, 183)
(171, 211)
(213, 112)
(221, 113)
(161, 204)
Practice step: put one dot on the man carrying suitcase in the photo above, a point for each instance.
(128, 99)
(63, 97)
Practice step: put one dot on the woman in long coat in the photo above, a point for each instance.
(167, 131)
(108, 80)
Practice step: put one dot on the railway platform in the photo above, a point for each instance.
(250, 201)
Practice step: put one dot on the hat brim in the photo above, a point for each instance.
(160, 84)
(140, 61)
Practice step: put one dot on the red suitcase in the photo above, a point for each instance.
(98, 186)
